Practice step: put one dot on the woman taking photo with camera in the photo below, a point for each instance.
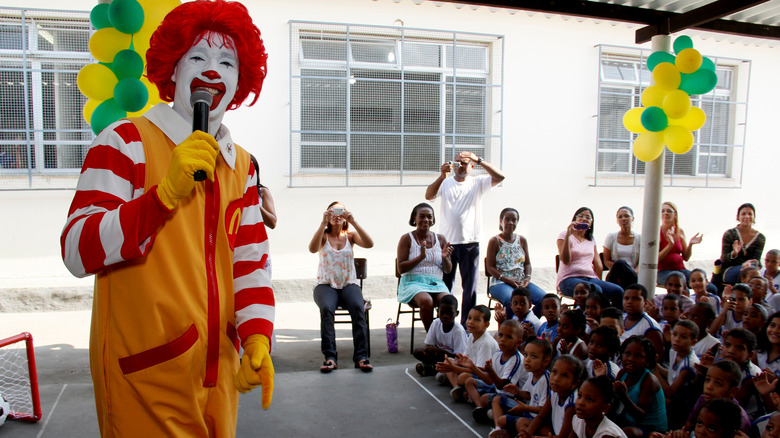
(337, 283)
(579, 259)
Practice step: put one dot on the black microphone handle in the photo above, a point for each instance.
(200, 122)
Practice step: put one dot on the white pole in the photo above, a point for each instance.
(651, 212)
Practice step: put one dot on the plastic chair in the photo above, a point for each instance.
(342, 316)
(413, 310)
(490, 297)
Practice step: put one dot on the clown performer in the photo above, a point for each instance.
(179, 271)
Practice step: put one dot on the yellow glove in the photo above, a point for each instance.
(256, 368)
(197, 152)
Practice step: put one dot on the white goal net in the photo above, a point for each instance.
(18, 377)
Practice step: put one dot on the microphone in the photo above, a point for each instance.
(201, 102)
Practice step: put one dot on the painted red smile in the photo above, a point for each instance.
(216, 90)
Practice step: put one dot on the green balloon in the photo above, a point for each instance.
(654, 119)
(702, 81)
(128, 64)
(127, 16)
(707, 64)
(656, 58)
(105, 114)
(682, 42)
(131, 94)
(99, 16)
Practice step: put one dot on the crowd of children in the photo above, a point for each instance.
(688, 363)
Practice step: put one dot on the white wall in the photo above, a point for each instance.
(550, 70)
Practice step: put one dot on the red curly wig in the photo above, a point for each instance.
(186, 24)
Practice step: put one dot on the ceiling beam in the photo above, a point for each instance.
(674, 22)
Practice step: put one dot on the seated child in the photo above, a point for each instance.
(733, 309)
(538, 354)
(602, 348)
(755, 318)
(480, 347)
(594, 399)
(738, 345)
(670, 314)
(571, 329)
(722, 381)
(644, 406)
(520, 303)
(771, 270)
(505, 367)
(677, 380)
(702, 314)
(698, 283)
(580, 294)
(767, 426)
(565, 378)
(444, 338)
(759, 286)
(637, 322)
(718, 418)
(594, 304)
(676, 285)
(612, 317)
(768, 341)
(551, 308)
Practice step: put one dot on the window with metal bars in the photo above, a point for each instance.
(43, 136)
(387, 106)
(717, 154)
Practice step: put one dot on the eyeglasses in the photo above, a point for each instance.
(583, 217)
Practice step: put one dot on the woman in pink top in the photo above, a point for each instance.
(673, 249)
(579, 259)
(337, 283)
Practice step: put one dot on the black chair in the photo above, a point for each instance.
(341, 316)
(490, 297)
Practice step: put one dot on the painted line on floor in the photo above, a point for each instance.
(51, 413)
(441, 403)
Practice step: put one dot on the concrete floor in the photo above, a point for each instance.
(391, 401)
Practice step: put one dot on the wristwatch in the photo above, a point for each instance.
(479, 160)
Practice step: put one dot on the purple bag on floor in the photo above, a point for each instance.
(391, 329)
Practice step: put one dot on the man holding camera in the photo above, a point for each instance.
(461, 213)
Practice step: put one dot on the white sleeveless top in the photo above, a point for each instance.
(431, 265)
(337, 267)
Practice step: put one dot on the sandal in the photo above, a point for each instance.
(328, 366)
(364, 365)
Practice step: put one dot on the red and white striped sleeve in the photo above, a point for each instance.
(254, 297)
(111, 219)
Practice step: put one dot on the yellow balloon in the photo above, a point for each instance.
(653, 96)
(632, 120)
(89, 108)
(155, 11)
(96, 81)
(676, 104)
(649, 145)
(107, 42)
(666, 75)
(688, 60)
(154, 93)
(678, 139)
(692, 121)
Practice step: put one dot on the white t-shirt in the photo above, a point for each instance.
(559, 409)
(775, 281)
(763, 362)
(461, 210)
(704, 345)
(482, 349)
(538, 391)
(512, 369)
(606, 428)
(731, 322)
(558, 347)
(612, 369)
(642, 326)
(687, 362)
(529, 317)
(452, 342)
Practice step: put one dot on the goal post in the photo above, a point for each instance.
(19, 378)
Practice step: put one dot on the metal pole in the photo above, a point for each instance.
(651, 212)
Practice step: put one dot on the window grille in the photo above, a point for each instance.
(717, 154)
(386, 106)
(43, 136)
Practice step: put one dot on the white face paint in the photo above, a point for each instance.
(211, 66)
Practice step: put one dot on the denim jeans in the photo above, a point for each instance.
(612, 291)
(351, 299)
(503, 292)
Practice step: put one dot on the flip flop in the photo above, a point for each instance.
(364, 365)
(328, 366)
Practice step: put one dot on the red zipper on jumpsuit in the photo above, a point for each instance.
(212, 342)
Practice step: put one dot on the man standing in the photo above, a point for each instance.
(461, 212)
(178, 262)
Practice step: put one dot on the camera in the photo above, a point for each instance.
(455, 164)
(337, 211)
(582, 226)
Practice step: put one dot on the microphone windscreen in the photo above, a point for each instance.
(201, 96)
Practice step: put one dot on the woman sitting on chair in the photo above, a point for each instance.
(509, 263)
(423, 258)
(337, 283)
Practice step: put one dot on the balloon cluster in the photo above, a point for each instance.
(667, 116)
(115, 86)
